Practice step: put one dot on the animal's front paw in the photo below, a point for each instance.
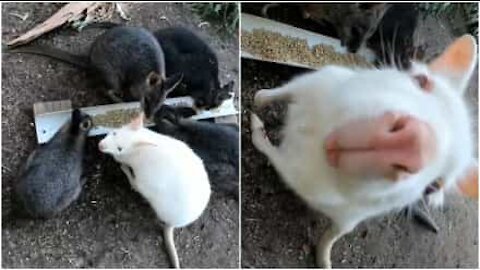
(256, 124)
(258, 130)
(127, 170)
(260, 98)
(259, 135)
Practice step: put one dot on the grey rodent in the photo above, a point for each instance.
(51, 178)
(216, 144)
(128, 60)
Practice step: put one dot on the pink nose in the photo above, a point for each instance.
(101, 146)
(391, 145)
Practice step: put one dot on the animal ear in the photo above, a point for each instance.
(457, 62)
(137, 122)
(172, 82)
(154, 79)
(468, 184)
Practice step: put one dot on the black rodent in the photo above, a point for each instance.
(187, 53)
(51, 178)
(215, 144)
(128, 60)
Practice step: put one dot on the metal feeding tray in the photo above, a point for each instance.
(51, 116)
(251, 22)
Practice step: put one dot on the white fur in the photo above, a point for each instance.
(169, 175)
(330, 97)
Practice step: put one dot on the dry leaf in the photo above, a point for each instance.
(67, 13)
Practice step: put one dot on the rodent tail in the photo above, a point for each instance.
(61, 55)
(170, 245)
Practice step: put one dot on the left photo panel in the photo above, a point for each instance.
(120, 135)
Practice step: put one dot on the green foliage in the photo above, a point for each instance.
(227, 15)
(468, 10)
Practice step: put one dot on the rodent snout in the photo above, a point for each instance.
(393, 144)
(101, 146)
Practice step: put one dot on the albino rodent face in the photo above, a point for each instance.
(120, 141)
(395, 123)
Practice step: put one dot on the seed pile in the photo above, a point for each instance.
(115, 118)
(274, 46)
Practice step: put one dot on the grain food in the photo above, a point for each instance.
(115, 118)
(274, 46)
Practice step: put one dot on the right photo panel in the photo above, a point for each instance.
(359, 137)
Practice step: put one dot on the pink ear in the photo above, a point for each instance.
(137, 122)
(457, 57)
(468, 185)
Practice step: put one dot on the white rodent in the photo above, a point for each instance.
(327, 100)
(165, 171)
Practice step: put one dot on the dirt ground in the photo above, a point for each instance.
(110, 225)
(278, 230)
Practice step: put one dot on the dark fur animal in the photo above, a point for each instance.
(387, 28)
(51, 178)
(128, 60)
(393, 42)
(187, 53)
(352, 23)
(216, 144)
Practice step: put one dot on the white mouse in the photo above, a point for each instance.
(359, 143)
(165, 171)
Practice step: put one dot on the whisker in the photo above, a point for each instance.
(395, 31)
(399, 62)
(416, 42)
(382, 43)
(390, 55)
